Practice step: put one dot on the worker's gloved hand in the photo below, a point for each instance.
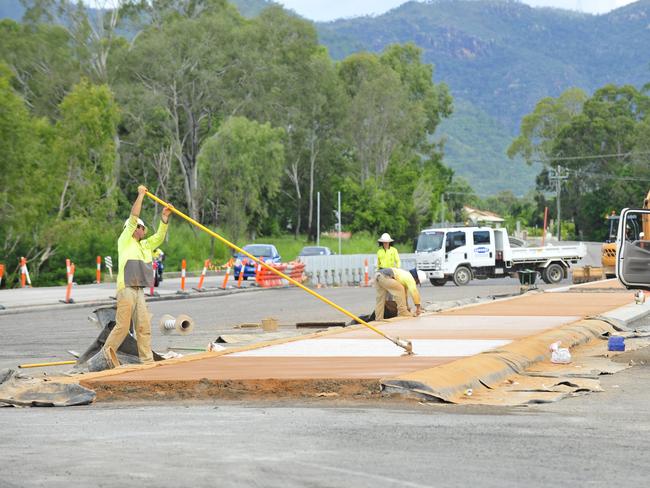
(142, 190)
(418, 310)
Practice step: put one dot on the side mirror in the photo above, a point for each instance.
(633, 250)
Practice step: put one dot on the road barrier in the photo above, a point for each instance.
(206, 265)
(347, 269)
(225, 278)
(68, 288)
(183, 272)
(99, 270)
(241, 273)
(268, 279)
(24, 273)
(2, 272)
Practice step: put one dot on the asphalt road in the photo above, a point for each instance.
(593, 440)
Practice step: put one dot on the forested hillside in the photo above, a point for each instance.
(499, 58)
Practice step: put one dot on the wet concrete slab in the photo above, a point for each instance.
(474, 326)
(251, 368)
(549, 304)
(334, 361)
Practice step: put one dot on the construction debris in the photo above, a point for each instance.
(17, 390)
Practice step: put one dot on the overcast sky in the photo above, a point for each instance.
(333, 9)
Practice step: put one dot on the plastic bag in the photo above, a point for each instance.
(559, 355)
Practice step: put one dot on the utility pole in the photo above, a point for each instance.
(442, 209)
(558, 176)
(340, 229)
(318, 218)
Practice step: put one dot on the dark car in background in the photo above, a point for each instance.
(266, 251)
(315, 251)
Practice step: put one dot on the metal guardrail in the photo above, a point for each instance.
(346, 269)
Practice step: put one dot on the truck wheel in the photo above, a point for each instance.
(462, 276)
(553, 274)
(438, 281)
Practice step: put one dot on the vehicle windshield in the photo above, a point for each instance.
(430, 241)
(259, 250)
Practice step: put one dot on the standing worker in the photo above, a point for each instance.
(400, 284)
(387, 255)
(134, 275)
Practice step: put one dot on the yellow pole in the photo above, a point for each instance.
(406, 345)
(42, 365)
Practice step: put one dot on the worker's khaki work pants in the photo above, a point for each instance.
(384, 286)
(131, 304)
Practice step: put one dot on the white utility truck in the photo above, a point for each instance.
(460, 254)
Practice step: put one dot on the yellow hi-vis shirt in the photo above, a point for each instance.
(405, 278)
(135, 257)
(388, 259)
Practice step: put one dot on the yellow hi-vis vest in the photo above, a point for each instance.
(388, 259)
(135, 257)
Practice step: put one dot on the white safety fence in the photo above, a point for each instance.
(345, 270)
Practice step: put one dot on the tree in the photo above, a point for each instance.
(42, 76)
(22, 197)
(191, 66)
(240, 168)
(539, 128)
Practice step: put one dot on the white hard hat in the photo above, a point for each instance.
(385, 237)
(139, 222)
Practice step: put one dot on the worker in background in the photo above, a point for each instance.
(400, 284)
(134, 275)
(387, 255)
(158, 259)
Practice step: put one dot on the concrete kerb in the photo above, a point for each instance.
(449, 381)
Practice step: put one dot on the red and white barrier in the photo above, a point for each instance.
(365, 273)
(183, 271)
(225, 278)
(24, 273)
(206, 264)
(68, 289)
(241, 273)
(99, 270)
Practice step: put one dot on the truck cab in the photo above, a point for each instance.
(461, 254)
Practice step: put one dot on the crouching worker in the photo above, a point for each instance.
(399, 284)
(135, 274)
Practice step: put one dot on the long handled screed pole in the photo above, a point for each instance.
(406, 345)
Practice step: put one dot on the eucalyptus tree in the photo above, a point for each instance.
(240, 168)
(190, 64)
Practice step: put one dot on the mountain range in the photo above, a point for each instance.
(499, 58)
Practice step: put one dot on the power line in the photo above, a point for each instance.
(598, 156)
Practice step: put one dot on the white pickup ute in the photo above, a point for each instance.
(460, 254)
